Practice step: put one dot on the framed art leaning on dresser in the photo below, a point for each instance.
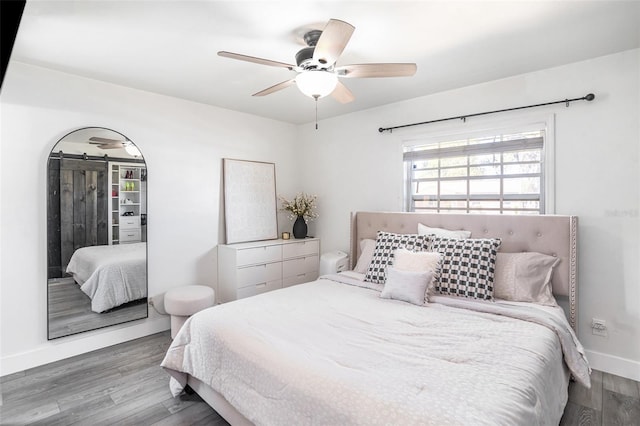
(249, 201)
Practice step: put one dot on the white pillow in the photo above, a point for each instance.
(416, 261)
(366, 254)
(441, 232)
(524, 277)
(407, 286)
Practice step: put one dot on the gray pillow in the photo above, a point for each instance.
(525, 277)
(408, 286)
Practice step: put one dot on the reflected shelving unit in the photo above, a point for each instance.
(126, 182)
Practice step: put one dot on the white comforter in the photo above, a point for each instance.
(326, 353)
(111, 275)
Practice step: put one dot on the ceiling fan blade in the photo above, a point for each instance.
(332, 42)
(342, 94)
(111, 145)
(276, 87)
(376, 70)
(96, 140)
(255, 60)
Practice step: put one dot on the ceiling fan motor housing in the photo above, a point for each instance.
(304, 58)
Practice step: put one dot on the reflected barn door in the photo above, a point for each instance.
(83, 206)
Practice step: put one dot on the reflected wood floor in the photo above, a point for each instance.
(124, 385)
(70, 310)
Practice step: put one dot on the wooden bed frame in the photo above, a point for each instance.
(553, 235)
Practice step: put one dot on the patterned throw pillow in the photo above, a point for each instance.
(386, 243)
(468, 266)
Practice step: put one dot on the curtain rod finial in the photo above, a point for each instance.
(590, 97)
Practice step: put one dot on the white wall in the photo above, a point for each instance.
(597, 178)
(183, 144)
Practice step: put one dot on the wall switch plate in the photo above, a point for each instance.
(599, 327)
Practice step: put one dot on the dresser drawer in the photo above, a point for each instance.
(259, 288)
(251, 275)
(129, 235)
(300, 278)
(302, 248)
(300, 265)
(129, 222)
(264, 254)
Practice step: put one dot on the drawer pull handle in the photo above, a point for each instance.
(261, 285)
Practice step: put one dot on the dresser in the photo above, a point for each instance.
(247, 269)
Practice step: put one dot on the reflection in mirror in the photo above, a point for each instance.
(96, 232)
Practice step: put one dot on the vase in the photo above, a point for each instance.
(300, 228)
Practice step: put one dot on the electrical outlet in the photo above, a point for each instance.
(599, 327)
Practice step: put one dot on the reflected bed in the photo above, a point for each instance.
(111, 275)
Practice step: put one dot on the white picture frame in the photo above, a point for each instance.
(250, 202)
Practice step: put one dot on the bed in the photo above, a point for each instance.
(111, 275)
(334, 351)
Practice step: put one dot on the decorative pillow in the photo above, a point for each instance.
(525, 277)
(386, 244)
(441, 232)
(418, 261)
(468, 266)
(408, 286)
(366, 253)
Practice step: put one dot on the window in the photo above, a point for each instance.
(501, 173)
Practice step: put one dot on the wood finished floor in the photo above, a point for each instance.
(124, 385)
(69, 310)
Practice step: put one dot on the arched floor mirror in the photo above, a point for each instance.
(96, 232)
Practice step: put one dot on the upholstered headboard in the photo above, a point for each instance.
(548, 234)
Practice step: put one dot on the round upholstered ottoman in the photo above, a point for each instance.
(182, 302)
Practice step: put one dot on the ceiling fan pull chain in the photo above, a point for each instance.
(316, 98)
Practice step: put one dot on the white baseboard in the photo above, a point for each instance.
(66, 347)
(614, 365)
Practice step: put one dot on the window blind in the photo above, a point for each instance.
(498, 174)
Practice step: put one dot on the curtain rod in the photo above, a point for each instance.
(588, 97)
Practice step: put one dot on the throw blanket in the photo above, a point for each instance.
(329, 353)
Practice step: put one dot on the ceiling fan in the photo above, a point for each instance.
(316, 65)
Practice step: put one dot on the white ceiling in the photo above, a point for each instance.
(170, 47)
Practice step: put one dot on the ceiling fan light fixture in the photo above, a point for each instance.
(316, 83)
(132, 150)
